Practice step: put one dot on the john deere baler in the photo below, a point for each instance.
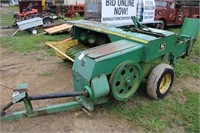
(111, 61)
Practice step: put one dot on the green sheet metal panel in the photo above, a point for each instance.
(159, 47)
(89, 67)
(190, 27)
(100, 86)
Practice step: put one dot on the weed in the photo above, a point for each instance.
(39, 58)
(50, 52)
(46, 73)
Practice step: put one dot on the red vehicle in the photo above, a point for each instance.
(172, 12)
(73, 9)
(27, 12)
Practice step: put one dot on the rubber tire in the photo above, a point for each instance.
(81, 14)
(155, 79)
(34, 31)
(73, 15)
(67, 15)
(49, 20)
(162, 25)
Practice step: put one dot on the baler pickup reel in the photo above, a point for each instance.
(20, 95)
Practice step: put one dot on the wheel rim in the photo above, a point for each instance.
(165, 83)
(159, 26)
(73, 16)
(47, 22)
(125, 80)
(34, 32)
(66, 15)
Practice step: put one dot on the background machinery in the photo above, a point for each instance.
(173, 12)
(110, 61)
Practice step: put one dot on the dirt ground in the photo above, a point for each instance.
(16, 68)
(47, 74)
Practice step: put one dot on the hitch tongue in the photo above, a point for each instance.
(20, 95)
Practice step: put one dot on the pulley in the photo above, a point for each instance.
(125, 80)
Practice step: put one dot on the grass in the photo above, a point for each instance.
(159, 116)
(46, 73)
(26, 43)
(6, 19)
(190, 65)
(14, 8)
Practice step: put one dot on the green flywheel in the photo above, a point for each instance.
(125, 80)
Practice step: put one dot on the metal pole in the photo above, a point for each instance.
(58, 95)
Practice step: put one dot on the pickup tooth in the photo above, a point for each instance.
(71, 52)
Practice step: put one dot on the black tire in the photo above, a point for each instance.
(81, 14)
(33, 31)
(47, 21)
(160, 25)
(160, 81)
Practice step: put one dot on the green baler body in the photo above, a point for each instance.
(145, 50)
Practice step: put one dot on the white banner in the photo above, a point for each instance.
(118, 11)
(149, 10)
